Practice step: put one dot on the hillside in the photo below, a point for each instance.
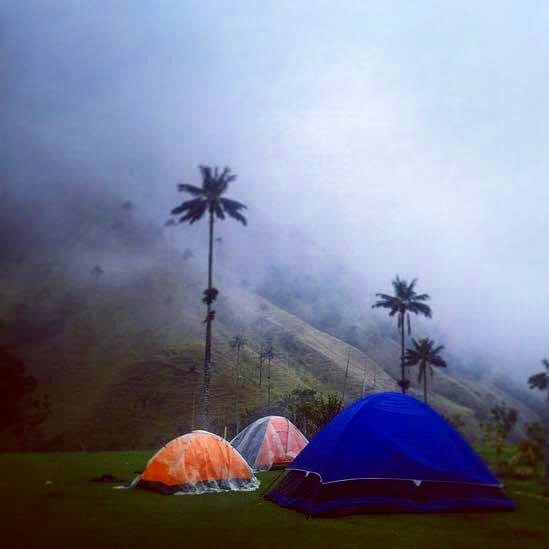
(122, 365)
(121, 361)
(105, 311)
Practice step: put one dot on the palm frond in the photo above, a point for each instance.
(194, 212)
(386, 297)
(232, 208)
(411, 286)
(539, 381)
(189, 205)
(411, 359)
(238, 217)
(232, 205)
(206, 173)
(420, 308)
(387, 302)
(227, 176)
(399, 286)
(219, 211)
(191, 189)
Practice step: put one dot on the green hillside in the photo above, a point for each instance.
(107, 315)
(123, 367)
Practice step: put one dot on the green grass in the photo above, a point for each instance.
(47, 500)
(488, 452)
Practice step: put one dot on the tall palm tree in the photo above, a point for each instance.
(425, 355)
(404, 301)
(208, 199)
(237, 343)
(269, 354)
(541, 381)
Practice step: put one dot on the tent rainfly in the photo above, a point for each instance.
(388, 452)
(271, 442)
(197, 463)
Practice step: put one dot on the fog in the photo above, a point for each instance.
(399, 138)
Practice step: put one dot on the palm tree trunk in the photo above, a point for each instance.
(237, 399)
(269, 384)
(546, 480)
(345, 378)
(425, 383)
(402, 371)
(208, 349)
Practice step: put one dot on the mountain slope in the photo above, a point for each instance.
(123, 367)
(119, 348)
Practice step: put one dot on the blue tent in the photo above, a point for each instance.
(388, 452)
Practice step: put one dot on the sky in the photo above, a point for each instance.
(406, 137)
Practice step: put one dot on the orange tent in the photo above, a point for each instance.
(196, 463)
(271, 442)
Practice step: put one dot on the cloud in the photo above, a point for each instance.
(403, 140)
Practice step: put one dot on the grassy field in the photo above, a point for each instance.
(48, 500)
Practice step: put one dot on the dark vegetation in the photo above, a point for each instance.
(308, 409)
(22, 410)
(541, 381)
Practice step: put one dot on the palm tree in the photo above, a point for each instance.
(208, 199)
(425, 355)
(404, 301)
(541, 381)
(345, 377)
(269, 355)
(97, 271)
(237, 343)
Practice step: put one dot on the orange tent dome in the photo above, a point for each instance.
(195, 463)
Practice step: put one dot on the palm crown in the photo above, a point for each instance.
(541, 380)
(405, 300)
(425, 355)
(208, 197)
(424, 352)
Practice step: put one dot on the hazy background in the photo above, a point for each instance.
(401, 138)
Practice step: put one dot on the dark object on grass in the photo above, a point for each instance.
(107, 478)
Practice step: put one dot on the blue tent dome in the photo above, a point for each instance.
(388, 452)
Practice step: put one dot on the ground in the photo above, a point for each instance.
(48, 500)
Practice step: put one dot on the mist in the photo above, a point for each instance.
(385, 138)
